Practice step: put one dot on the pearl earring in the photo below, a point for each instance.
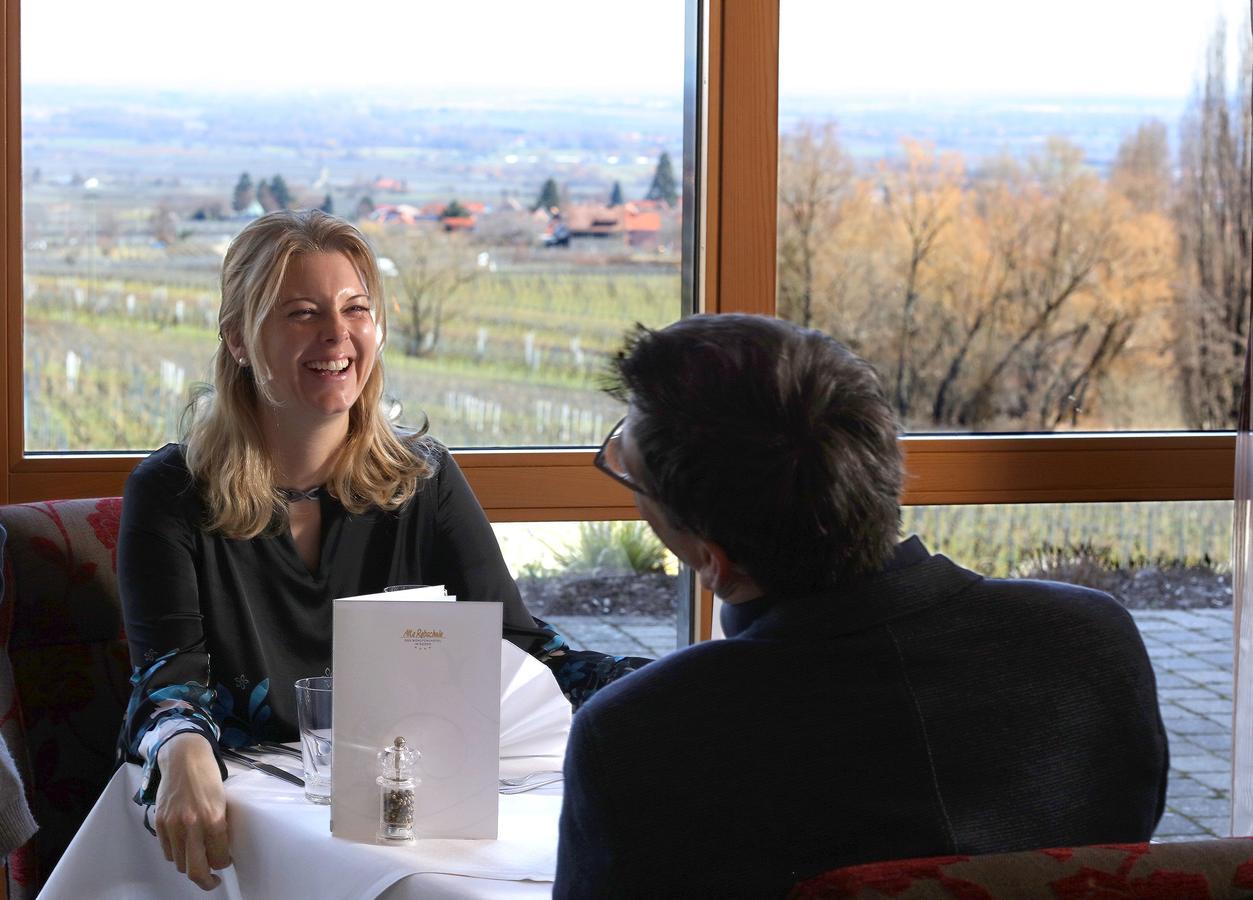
(243, 360)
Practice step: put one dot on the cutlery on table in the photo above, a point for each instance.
(528, 777)
(530, 783)
(274, 747)
(262, 767)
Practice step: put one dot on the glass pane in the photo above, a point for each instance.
(522, 183)
(1041, 235)
(1169, 564)
(607, 586)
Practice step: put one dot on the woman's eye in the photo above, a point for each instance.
(358, 309)
(301, 313)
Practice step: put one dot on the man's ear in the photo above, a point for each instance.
(714, 567)
(721, 574)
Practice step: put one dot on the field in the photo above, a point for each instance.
(520, 362)
(1022, 539)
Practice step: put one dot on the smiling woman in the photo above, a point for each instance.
(291, 489)
(285, 412)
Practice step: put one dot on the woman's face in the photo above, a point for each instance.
(321, 339)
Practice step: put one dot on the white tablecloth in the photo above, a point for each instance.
(282, 847)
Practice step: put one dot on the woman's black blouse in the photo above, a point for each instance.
(246, 618)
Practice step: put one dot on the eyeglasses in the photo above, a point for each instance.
(609, 460)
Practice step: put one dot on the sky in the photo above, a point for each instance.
(1042, 48)
(1148, 48)
(281, 45)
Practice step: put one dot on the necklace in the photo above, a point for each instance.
(294, 495)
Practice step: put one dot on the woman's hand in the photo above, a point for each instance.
(191, 809)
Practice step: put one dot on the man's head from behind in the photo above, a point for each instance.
(772, 443)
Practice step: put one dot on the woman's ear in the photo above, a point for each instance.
(236, 346)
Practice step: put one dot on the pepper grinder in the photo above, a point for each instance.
(396, 789)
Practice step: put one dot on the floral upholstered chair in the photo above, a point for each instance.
(64, 668)
(1219, 869)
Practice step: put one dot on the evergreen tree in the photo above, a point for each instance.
(282, 196)
(243, 194)
(664, 187)
(328, 205)
(265, 196)
(365, 206)
(548, 196)
(615, 196)
(454, 210)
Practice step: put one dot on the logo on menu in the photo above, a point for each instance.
(423, 638)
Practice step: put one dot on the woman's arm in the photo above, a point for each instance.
(168, 724)
(161, 607)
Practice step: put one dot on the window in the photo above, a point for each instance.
(734, 96)
(523, 193)
(1047, 240)
(607, 586)
(1169, 564)
(1041, 237)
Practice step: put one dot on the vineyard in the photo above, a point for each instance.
(520, 361)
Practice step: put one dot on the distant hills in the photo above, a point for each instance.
(462, 142)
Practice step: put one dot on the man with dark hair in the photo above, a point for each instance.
(872, 701)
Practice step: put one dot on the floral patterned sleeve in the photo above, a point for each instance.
(581, 673)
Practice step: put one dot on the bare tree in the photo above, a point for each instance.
(1141, 171)
(1213, 220)
(921, 197)
(432, 268)
(815, 184)
(998, 299)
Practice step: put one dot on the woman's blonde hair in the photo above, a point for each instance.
(225, 447)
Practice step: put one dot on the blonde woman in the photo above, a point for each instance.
(290, 489)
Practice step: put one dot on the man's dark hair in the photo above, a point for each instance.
(774, 441)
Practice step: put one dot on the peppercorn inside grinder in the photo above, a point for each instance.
(396, 791)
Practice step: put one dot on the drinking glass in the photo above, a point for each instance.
(313, 710)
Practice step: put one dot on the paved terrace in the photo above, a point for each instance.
(1191, 652)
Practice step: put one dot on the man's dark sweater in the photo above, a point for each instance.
(925, 710)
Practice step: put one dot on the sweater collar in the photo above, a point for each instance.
(912, 579)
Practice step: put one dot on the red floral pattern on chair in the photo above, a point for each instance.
(106, 521)
(892, 878)
(1192, 870)
(64, 667)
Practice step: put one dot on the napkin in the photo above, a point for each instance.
(534, 714)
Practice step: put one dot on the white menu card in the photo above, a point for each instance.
(428, 672)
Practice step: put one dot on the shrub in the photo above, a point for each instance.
(613, 547)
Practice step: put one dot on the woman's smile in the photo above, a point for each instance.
(328, 368)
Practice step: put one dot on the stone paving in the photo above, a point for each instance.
(1191, 653)
(622, 635)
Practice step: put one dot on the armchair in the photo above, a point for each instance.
(64, 667)
(1217, 869)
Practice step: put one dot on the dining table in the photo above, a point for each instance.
(282, 847)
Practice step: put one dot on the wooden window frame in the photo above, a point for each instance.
(736, 272)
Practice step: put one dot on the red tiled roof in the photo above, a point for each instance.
(644, 221)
